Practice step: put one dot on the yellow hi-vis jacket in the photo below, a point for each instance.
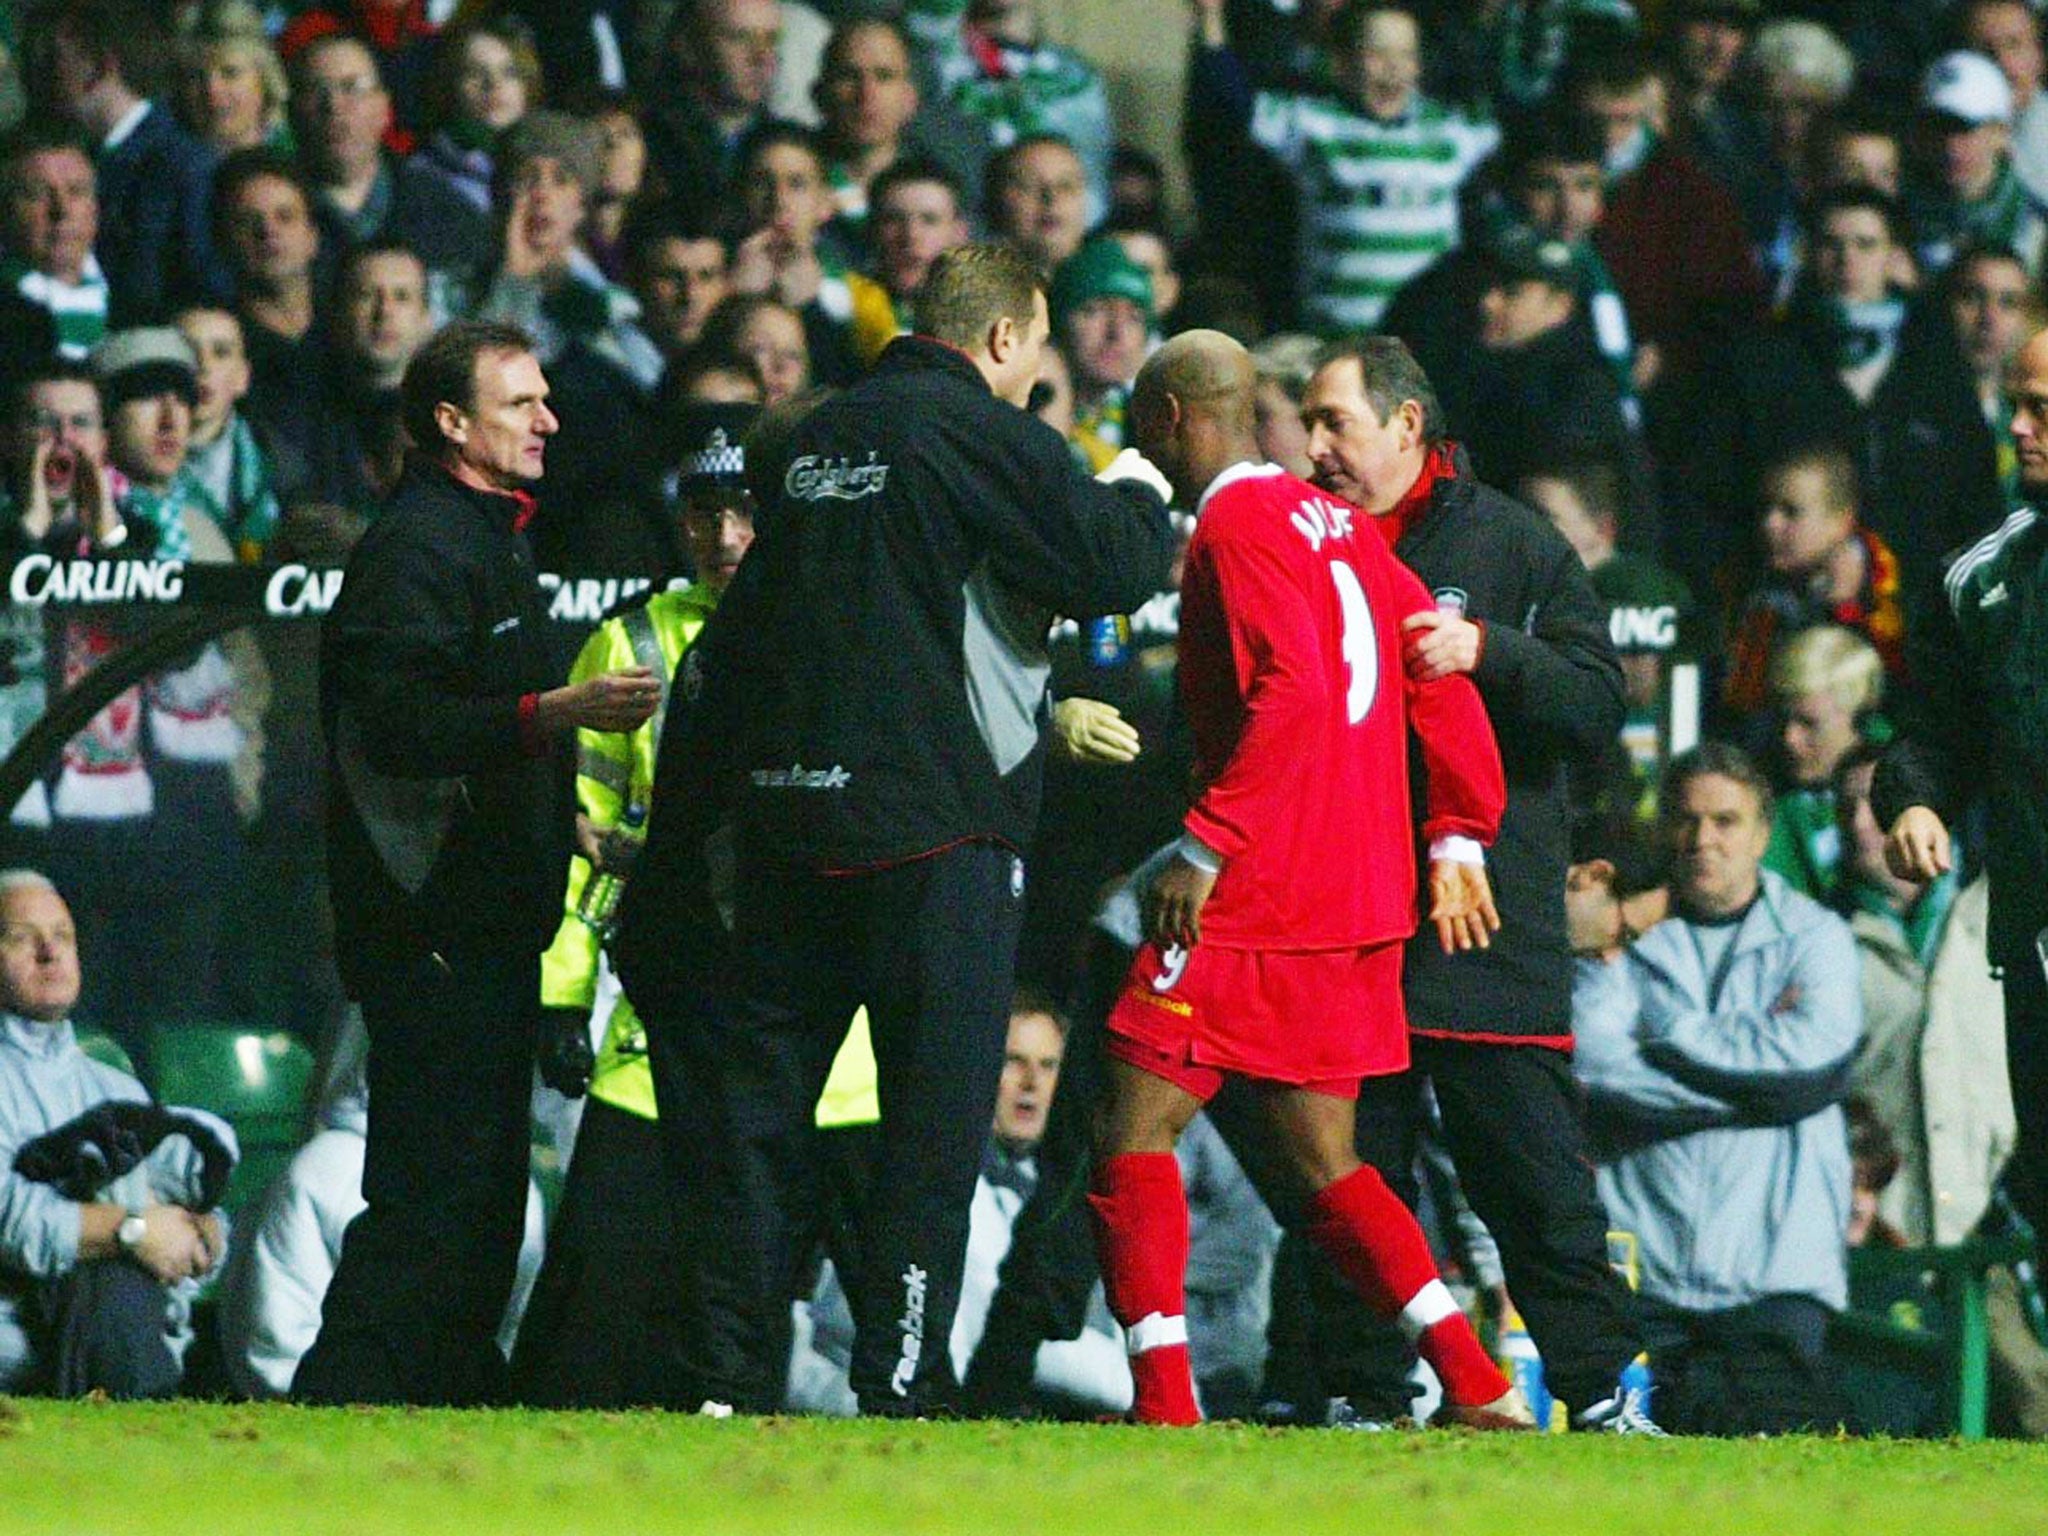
(613, 771)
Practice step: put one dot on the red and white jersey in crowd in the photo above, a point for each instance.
(1292, 678)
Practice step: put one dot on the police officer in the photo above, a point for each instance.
(870, 706)
(448, 829)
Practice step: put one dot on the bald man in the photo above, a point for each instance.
(1266, 960)
(1984, 728)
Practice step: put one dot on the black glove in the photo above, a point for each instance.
(562, 1051)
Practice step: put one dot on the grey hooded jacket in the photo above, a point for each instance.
(1714, 1108)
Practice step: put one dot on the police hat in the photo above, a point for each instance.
(713, 442)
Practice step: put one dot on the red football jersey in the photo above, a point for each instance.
(1292, 679)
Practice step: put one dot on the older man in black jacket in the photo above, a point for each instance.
(872, 700)
(1491, 1028)
(448, 827)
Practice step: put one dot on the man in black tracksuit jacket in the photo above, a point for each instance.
(449, 818)
(1490, 1029)
(869, 704)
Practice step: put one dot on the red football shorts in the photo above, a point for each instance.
(1319, 1019)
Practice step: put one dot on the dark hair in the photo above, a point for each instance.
(444, 371)
(1003, 164)
(909, 170)
(1986, 250)
(244, 166)
(1598, 483)
(722, 327)
(970, 288)
(835, 45)
(300, 64)
(1129, 160)
(49, 370)
(1390, 374)
(1715, 759)
(41, 135)
(654, 223)
(591, 100)
(1347, 27)
(128, 31)
(1856, 120)
(388, 245)
(442, 94)
(1873, 1153)
(684, 374)
(1032, 999)
(776, 133)
(1573, 138)
(1830, 460)
(1860, 200)
(1614, 67)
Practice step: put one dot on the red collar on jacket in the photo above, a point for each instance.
(524, 504)
(1440, 465)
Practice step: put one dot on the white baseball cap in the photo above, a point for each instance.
(1968, 86)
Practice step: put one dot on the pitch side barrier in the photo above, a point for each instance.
(165, 609)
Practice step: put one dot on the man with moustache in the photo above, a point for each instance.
(1490, 1028)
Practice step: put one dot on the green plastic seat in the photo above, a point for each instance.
(105, 1049)
(256, 1080)
(1953, 1353)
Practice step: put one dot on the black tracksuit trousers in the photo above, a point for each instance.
(928, 946)
(426, 1271)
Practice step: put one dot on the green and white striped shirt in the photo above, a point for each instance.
(1378, 199)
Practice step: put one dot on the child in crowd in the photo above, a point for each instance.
(1820, 566)
(1825, 686)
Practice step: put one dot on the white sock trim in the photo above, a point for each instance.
(1426, 1308)
(1155, 1330)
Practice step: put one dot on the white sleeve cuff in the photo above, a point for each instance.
(1458, 850)
(1199, 854)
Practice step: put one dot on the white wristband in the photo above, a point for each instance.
(1457, 850)
(1199, 854)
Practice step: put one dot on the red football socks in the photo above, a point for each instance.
(1141, 1234)
(1373, 1240)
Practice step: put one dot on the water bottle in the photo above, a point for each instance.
(1524, 1367)
(1108, 640)
(600, 904)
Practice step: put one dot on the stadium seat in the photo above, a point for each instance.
(1919, 1314)
(255, 1080)
(104, 1049)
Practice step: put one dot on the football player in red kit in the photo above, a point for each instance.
(1275, 934)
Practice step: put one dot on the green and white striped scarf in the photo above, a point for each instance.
(78, 309)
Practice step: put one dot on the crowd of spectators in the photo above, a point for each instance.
(1726, 289)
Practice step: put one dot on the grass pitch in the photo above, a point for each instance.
(205, 1470)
